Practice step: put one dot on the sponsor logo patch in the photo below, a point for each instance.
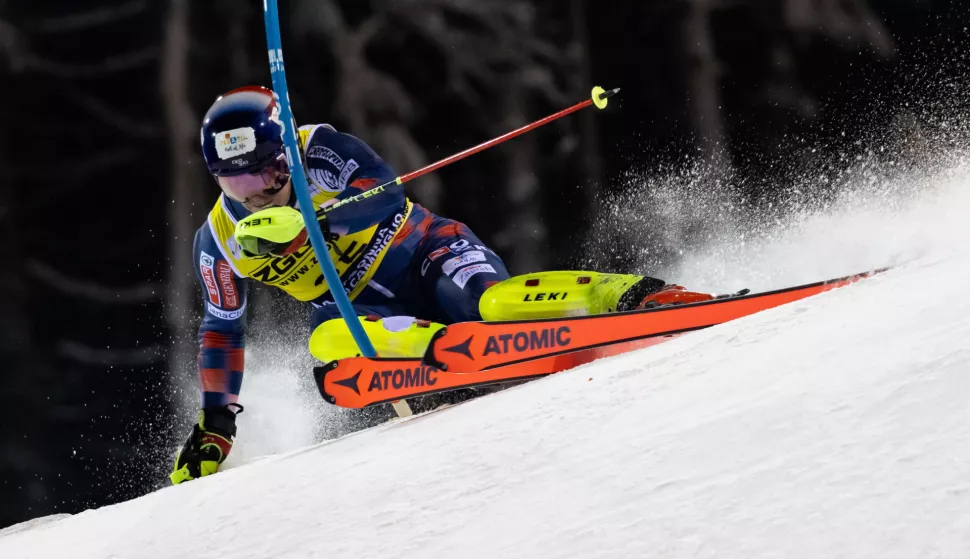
(209, 278)
(235, 142)
(364, 183)
(403, 378)
(224, 315)
(228, 284)
(527, 341)
(345, 173)
(438, 253)
(383, 237)
(435, 254)
(459, 246)
(462, 245)
(275, 60)
(284, 270)
(328, 170)
(234, 247)
(457, 262)
(326, 154)
(462, 276)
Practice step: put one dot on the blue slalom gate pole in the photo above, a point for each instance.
(278, 73)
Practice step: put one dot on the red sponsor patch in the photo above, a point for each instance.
(364, 184)
(205, 265)
(228, 283)
(436, 254)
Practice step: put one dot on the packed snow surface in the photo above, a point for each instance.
(836, 426)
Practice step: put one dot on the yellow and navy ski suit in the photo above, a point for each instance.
(393, 256)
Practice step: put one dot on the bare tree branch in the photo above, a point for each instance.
(703, 76)
(92, 18)
(239, 62)
(80, 169)
(128, 357)
(112, 117)
(849, 23)
(12, 45)
(487, 52)
(374, 104)
(109, 65)
(588, 125)
(68, 285)
(182, 128)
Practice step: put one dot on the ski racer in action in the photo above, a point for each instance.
(396, 261)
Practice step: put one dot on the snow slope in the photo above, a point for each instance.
(837, 426)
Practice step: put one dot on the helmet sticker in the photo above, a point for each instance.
(235, 142)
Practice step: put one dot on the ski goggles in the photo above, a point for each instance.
(268, 181)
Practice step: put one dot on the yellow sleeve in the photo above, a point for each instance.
(304, 135)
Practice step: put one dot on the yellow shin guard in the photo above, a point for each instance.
(397, 336)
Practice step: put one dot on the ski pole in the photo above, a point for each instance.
(598, 98)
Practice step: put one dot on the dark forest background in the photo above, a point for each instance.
(103, 183)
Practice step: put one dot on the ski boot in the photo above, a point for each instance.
(207, 445)
(563, 294)
(645, 295)
(394, 336)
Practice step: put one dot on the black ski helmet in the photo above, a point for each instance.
(242, 132)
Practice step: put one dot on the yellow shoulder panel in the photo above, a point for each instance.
(304, 134)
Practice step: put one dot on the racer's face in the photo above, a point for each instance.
(257, 191)
(268, 199)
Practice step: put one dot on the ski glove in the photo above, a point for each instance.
(272, 232)
(207, 445)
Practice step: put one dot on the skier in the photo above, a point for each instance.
(396, 259)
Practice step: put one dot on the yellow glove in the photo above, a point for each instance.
(277, 231)
(208, 445)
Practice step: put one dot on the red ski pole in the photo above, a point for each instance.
(598, 99)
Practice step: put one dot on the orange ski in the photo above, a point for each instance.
(359, 382)
(477, 346)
